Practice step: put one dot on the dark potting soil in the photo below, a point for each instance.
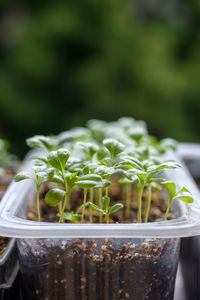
(101, 269)
(157, 211)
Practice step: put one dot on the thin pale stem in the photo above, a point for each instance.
(91, 200)
(106, 191)
(128, 200)
(38, 203)
(64, 207)
(107, 219)
(100, 204)
(84, 201)
(167, 211)
(60, 204)
(139, 213)
(148, 203)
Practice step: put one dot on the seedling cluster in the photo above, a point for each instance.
(89, 158)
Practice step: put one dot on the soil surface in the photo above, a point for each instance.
(116, 193)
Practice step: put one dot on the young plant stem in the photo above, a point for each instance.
(148, 203)
(38, 202)
(84, 201)
(66, 201)
(128, 200)
(91, 200)
(107, 219)
(60, 204)
(139, 213)
(106, 193)
(100, 204)
(167, 211)
(61, 220)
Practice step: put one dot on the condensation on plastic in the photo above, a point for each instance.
(190, 247)
(9, 265)
(14, 205)
(98, 269)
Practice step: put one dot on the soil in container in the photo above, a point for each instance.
(99, 269)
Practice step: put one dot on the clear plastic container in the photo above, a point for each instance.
(9, 268)
(115, 261)
(98, 269)
(190, 247)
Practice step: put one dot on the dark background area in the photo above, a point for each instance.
(64, 62)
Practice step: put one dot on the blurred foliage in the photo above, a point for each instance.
(63, 62)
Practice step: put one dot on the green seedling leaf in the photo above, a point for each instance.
(95, 207)
(40, 160)
(170, 187)
(93, 177)
(156, 186)
(53, 160)
(40, 141)
(63, 156)
(57, 179)
(115, 208)
(103, 184)
(86, 184)
(70, 216)
(23, 175)
(89, 149)
(86, 170)
(113, 146)
(106, 202)
(54, 197)
(105, 171)
(186, 199)
(102, 153)
(183, 190)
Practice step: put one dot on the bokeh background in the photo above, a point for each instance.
(63, 62)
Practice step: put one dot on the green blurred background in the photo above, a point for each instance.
(63, 62)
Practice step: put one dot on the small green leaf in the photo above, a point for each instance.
(63, 156)
(54, 197)
(170, 187)
(23, 175)
(102, 153)
(106, 202)
(70, 216)
(86, 184)
(156, 186)
(53, 160)
(113, 146)
(103, 184)
(183, 190)
(93, 177)
(186, 199)
(115, 208)
(95, 207)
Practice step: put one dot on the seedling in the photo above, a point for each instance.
(132, 155)
(49, 143)
(173, 194)
(41, 175)
(107, 211)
